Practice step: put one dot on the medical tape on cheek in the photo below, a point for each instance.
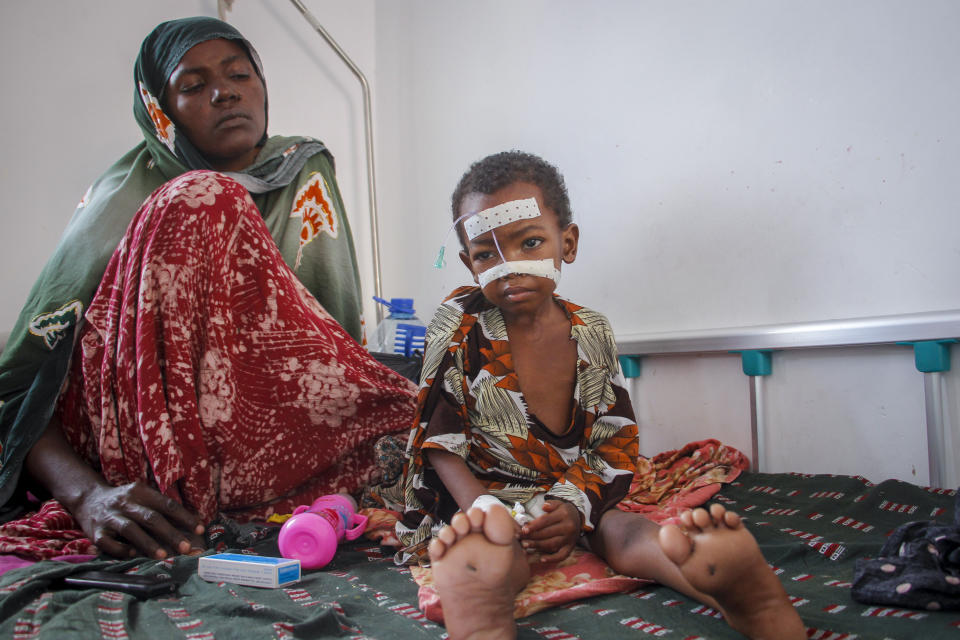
(500, 215)
(542, 268)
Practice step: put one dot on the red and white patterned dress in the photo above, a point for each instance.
(206, 368)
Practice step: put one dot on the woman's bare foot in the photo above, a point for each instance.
(718, 556)
(478, 568)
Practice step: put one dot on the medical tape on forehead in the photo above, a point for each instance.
(500, 215)
(541, 268)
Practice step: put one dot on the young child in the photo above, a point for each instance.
(522, 402)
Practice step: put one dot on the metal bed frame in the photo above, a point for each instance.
(930, 334)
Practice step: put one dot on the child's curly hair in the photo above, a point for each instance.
(502, 169)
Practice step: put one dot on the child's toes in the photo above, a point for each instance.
(475, 514)
(731, 519)
(716, 512)
(461, 525)
(675, 544)
(701, 519)
(436, 549)
(686, 519)
(447, 535)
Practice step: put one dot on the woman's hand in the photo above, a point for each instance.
(555, 533)
(122, 521)
(134, 519)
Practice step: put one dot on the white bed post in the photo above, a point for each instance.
(757, 428)
(756, 364)
(938, 445)
(932, 358)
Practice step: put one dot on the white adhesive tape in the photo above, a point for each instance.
(500, 215)
(542, 268)
(485, 501)
(518, 513)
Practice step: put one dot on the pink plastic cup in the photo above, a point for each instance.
(312, 534)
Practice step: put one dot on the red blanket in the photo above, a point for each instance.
(49, 533)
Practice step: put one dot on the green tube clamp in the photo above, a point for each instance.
(931, 356)
(630, 365)
(756, 362)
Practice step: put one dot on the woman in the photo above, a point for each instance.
(205, 377)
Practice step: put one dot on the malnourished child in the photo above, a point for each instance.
(522, 402)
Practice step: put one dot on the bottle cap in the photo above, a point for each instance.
(397, 305)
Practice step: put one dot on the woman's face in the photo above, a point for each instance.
(217, 100)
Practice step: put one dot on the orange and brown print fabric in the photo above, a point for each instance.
(470, 404)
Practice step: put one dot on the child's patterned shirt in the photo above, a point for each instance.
(470, 404)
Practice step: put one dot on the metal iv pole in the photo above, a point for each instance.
(368, 134)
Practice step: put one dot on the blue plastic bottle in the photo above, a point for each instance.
(401, 331)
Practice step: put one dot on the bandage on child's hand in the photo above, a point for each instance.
(485, 502)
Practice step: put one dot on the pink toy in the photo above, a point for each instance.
(312, 534)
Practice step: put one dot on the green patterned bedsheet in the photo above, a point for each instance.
(811, 530)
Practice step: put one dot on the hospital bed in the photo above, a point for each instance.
(812, 529)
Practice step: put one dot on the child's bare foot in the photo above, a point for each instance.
(479, 567)
(718, 556)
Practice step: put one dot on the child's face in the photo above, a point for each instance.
(538, 238)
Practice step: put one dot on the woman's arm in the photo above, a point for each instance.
(456, 477)
(120, 520)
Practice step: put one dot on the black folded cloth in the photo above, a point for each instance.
(918, 567)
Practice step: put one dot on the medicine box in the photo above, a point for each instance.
(256, 571)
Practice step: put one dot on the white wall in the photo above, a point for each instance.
(730, 163)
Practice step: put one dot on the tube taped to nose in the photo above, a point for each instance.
(542, 268)
(497, 216)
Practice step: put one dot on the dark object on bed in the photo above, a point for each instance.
(407, 366)
(812, 530)
(141, 586)
(918, 566)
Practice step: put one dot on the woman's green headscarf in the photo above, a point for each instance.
(160, 54)
(34, 362)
